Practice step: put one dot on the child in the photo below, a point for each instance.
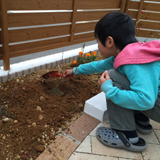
(131, 81)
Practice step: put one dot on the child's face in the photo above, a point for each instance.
(109, 49)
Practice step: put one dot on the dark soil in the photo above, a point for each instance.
(33, 112)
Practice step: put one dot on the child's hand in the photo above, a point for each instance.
(105, 76)
(68, 72)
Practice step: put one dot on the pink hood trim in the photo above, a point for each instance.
(138, 53)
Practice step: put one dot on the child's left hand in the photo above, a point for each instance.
(104, 77)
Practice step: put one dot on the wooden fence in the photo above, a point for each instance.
(51, 24)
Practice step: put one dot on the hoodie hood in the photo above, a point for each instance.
(138, 53)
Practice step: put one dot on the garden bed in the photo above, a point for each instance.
(32, 115)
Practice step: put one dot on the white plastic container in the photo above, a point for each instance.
(97, 107)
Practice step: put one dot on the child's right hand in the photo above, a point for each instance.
(68, 72)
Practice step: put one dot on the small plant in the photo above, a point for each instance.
(138, 29)
(85, 58)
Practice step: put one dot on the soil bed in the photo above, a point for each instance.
(32, 115)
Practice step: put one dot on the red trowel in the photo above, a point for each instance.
(55, 74)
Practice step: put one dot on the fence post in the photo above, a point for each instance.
(139, 13)
(127, 6)
(73, 20)
(123, 4)
(4, 34)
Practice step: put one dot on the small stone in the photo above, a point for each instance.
(6, 106)
(18, 157)
(39, 108)
(5, 119)
(59, 158)
(41, 98)
(34, 124)
(15, 121)
(4, 137)
(22, 151)
(40, 148)
(40, 117)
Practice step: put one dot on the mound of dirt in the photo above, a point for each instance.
(34, 111)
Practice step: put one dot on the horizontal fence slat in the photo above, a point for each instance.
(78, 39)
(87, 37)
(151, 6)
(148, 34)
(146, 15)
(133, 5)
(147, 6)
(100, 4)
(30, 19)
(39, 4)
(149, 25)
(91, 15)
(85, 27)
(39, 44)
(38, 33)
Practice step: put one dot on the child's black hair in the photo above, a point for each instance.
(119, 26)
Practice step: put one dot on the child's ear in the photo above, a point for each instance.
(109, 42)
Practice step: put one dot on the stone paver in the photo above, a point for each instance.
(83, 130)
(83, 156)
(99, 148)
(157, 132)
(149, 138)
(155, 125)
(85, 146)
(152, 152)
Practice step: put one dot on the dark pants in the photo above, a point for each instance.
(121, 118)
